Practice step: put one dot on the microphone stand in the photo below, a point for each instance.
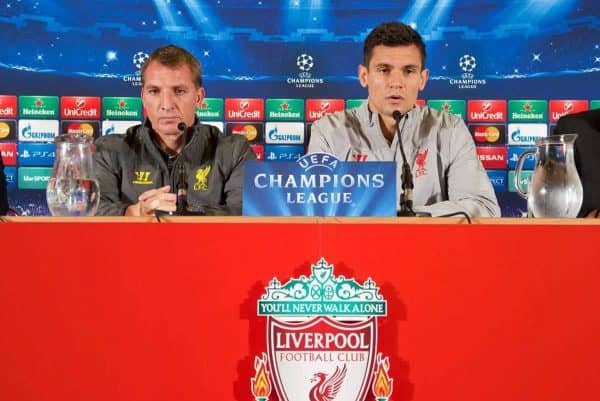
(182, 207)
(406, 202)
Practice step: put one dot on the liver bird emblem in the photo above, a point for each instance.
(327, 389)
(201, 179)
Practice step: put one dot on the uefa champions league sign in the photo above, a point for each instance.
(318, 184)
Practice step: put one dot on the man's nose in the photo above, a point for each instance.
(166, 101)
(396, 79)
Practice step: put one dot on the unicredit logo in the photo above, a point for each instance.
(485, 116)
(80, 113)
(7, 111)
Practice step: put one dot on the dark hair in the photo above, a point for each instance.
(392, 34)
(174, 56)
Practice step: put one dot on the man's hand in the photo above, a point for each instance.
(154, 199)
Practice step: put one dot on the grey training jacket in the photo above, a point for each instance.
(448, 176)
(129, 164)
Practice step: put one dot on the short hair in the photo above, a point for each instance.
(175, 56)
(392, 34)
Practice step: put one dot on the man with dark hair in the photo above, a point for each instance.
(448, 176)
(3, 194)
(140, 171)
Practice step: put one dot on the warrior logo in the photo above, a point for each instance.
(142, 178)
(321, 340)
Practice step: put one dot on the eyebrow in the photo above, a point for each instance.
(391, 66)
(177, 86)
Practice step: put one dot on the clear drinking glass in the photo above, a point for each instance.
(555, 189)
(72, 188)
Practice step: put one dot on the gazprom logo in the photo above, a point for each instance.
(38, 130)
(110, 127)
(285, 133)
(526, 134)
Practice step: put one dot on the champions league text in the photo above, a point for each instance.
(290, 184)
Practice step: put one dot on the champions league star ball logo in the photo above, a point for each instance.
(321, 340)
(139, 59)
(467, 63)
(305, 62)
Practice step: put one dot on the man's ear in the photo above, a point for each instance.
(424, 78)
(362, 75)
(200, 96)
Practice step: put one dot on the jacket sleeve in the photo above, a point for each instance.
(318, 143)
(3, 194)
(469, 188)
(109, 179)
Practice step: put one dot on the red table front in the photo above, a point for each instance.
(145, 311)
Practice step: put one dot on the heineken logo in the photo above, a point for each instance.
(321, 340)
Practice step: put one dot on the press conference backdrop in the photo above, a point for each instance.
(510, 69)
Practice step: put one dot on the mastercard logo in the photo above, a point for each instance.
(4, 130)
(487, 134)
(249, 131)
(82, 129)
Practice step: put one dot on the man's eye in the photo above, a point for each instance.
(152, 91)
(384, 70)
(180, 91)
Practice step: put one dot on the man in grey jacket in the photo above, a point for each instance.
(448, 176)
(140, 172)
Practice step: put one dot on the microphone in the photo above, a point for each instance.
(406, 202)
(181, 190)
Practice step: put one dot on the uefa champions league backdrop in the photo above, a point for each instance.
(71, 66)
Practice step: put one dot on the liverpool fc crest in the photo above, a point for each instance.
(321, 340)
